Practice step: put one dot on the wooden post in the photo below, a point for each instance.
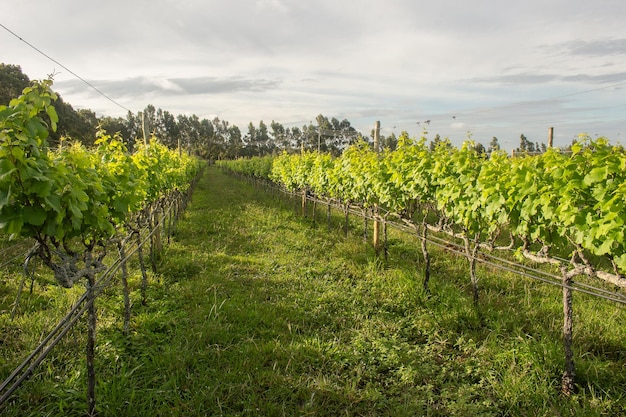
(376, 222)
(303, 204)
(91, 338)
(144, 128)
(550, 137)
(569, 374)
(125, 289)
(142, 265)
(319, 139)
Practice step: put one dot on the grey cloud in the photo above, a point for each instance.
(600, 47)
(135, 86)
(533, 79)
(213, 85)
(518, 79)
(613, 78)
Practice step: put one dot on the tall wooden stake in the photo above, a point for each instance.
(569, 374)
(144, 128)
(125, 288)
(144, 275)
(376, 222)
(91, 340)
(550, 137)
(303, 204)
(426, 256)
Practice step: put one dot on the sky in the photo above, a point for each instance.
(463, 69)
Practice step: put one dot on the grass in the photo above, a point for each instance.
(255, 312)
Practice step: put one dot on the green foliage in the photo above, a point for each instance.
(28, 180)
(561, 202)
(257, 166)
(58, 197)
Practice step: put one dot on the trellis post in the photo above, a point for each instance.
(376, 222)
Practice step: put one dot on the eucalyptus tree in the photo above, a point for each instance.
(234, 143)
(166, 128)
(265, 145)
(279, 135)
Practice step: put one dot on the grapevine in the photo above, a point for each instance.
(551, 205)
(73, 200)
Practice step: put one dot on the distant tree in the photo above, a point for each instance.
(494, 145)
(113, 125)
(234, 143)
(309, 137)
(528, 146)
(265, 145)
(296, 137)
(211, 144)
(345, 135)
(167, 130)
(193, 140)
(433, 143)
(324, 132)
(149, 119)
(278, 135)
(480, 148)
(323, 122)
(525, 145)
(135, 131)
(440, 143)
(250, 139)
(221, 131)
(390, 142)
(75, 125)
(12, 82)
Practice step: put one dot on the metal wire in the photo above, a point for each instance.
(486, 258)
(26, 368)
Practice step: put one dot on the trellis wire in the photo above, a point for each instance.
(20, 374)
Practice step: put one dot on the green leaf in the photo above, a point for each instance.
(34, 215)
(54, 201)
(6, 176)
(596, 175)
(605, 247)
(54, 118)
(40, 188)
(5, 195)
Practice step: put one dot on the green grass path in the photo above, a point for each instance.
(263, 315)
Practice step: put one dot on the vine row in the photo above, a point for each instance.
(566, 210)
(73, 200)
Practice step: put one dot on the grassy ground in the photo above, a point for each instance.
(257, 313)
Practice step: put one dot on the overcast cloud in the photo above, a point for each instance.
(485, 68)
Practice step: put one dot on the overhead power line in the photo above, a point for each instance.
(64, 67)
